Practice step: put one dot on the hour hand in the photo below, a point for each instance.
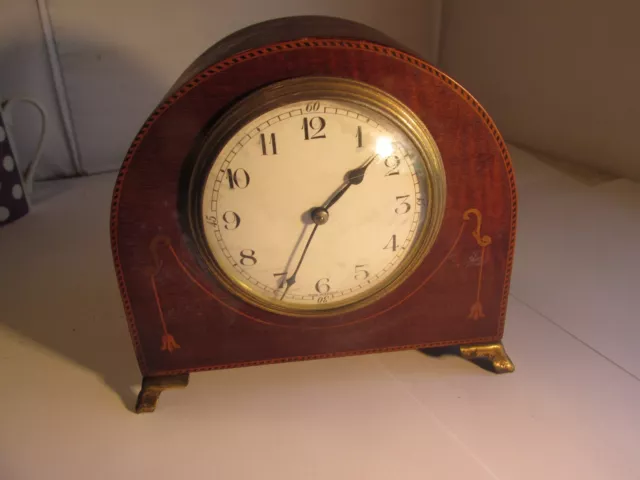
(353, 177)
(336, 196)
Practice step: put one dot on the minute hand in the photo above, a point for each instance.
(292, 279)
(353, 177)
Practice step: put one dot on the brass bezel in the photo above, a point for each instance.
(318, 88)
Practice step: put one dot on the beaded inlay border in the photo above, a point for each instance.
(284, 46)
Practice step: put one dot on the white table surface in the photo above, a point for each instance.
(570, 411)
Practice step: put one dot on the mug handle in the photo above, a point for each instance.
(5, 109)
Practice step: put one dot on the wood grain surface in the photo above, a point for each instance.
(182, 319)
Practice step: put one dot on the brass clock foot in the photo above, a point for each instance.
(494, 352)
(152, 387)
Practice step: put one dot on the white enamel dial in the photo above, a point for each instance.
(267, 179)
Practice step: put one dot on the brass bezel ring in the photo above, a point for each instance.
(319, 88)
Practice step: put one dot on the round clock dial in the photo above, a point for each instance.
(317, 203)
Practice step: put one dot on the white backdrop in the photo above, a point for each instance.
(120, 57)
(24, 71)
(558, 77)
(561, 77)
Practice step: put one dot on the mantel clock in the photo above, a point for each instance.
(309, 188)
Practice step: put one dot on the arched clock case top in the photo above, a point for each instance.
(182, 318)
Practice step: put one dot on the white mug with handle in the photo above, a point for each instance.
(15, 187)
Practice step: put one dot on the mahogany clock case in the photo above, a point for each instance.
(182, 318)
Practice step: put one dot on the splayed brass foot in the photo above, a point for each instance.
(152, 387)
(494, 352)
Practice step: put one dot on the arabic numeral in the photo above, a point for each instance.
(231, 219)
(312, 107)
(283, 279)
(404, 206)
(322, 286)
(271, 143)
(392, 244)
(240, 178)
(361, 273)
(247, 257)
(313, 128)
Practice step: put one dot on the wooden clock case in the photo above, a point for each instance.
(180, 317)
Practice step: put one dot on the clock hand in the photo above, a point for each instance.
(292, 279)
(354, 177)
(320, 215)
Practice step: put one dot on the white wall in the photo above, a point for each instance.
(120, 57)
(24, 71)
(559, 76)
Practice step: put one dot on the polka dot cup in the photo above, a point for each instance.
(13, 201)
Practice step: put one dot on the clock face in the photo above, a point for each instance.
(316, 204)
